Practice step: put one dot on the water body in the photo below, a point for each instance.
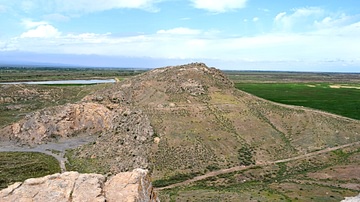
(92, 81)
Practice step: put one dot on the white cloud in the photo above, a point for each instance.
(264, 10)
(335, 21)
(41, 31)
(62, 8)
(3, 46)
(305, 12)
(280, 16)
(56, 17)
(219, 6)
(323, 43)
(180, 31)
(311, 34)
(301, 18)
(86, 6)
(185, 18)
(28, 23)
(186, 43)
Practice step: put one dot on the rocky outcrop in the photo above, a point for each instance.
(58, 122)
(72, 186)
(123, 135)
(121, 148)
(162, 84)
(352, 199)
(18, 92)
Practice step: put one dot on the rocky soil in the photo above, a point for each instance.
(72, 187)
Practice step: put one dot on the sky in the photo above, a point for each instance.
(301, 35)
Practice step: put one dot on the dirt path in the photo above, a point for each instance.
(316, 152)
(239, 168)
(55, 149)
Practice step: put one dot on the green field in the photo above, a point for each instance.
(341, 99)
(19, 166)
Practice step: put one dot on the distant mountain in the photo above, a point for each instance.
(32, 64)
(67, 60)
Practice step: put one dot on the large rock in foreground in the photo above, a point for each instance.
(72, 186)
(352, 199)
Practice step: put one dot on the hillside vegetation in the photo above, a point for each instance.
(202, 123)
(19, 166)
(189, 120)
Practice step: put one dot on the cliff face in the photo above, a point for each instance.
(72, 186)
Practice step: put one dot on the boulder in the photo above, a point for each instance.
(352, 199)
(72, 186)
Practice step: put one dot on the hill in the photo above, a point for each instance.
(182, 121)
(200, 120)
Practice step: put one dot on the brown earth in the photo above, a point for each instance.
(339, 173)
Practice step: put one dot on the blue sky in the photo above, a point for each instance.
(306, 35)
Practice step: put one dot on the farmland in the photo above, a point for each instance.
(341, 99)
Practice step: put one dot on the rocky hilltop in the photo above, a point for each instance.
(72, 187)
(181, 119)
